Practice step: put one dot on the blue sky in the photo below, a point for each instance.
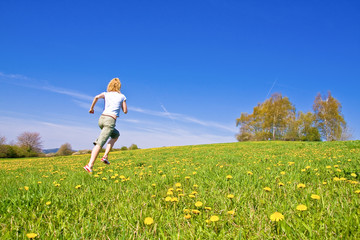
(188, 68)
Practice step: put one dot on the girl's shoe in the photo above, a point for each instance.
(104, 160)
(87, 168)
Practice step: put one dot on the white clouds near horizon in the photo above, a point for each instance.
(140, 129)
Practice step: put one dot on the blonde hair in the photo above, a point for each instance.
(114, 85)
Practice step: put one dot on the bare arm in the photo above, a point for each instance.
(124, 107)
(96, 98)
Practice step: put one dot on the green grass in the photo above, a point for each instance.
(113, 202)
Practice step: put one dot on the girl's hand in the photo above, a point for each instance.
(91, 111)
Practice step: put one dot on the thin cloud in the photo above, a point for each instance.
(81, 96)
(67, 92)
(183, 118)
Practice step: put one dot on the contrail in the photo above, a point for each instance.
(167, 113)
(271, 88)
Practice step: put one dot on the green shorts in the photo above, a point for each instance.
(107, 125)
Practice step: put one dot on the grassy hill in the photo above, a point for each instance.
(217, 191)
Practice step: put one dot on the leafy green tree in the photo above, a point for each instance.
(270, 119)
(307, 127)
(329, 118)
(133, 147)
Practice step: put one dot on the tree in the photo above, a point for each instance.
(2, 140)
(30, 141)
(64, 150)
(272, 119)
(329, 118)
(307, 127)
(278, 112)
(133, 147)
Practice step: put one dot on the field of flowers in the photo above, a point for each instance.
(255, 190)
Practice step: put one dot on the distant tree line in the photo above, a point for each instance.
(276, 119)
(28, 145)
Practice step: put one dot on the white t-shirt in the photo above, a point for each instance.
(113, 103)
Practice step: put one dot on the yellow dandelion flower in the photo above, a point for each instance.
(232, 212)
(148, 221)
(314, 196)
(336, 179)
(342, 179)
(31, 235)
(113, 177)
(281, 184)
(26, 188)
(336, 166)
(153, 196)
(282, 173)
(301, 207)
(174, 199)
(39, 182)
(187, 177)
(168, 199)
(229, 177)
(181, 195)
(169, 193)
(116, 181)
(357, 191)
(230, 196)
(78, 186)
(195, 211)
(48, 203)
(96, 175)
(154, 185)
(178, 185)
(328, 167)
(198, 204)
(276, 216)
(353, 175)
(307, 167)
(195, 186)
(324, 183)
(186, 210)
(214, 218)
(187, 216)
(57, 184)
(208, 208)
(301, 185)
(194, 173)
(267, 189)
(191, 196)
(104, 178)
(249, 173)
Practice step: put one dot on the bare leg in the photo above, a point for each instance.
(109, 146)
(94, 154)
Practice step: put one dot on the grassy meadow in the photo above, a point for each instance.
(253, 190)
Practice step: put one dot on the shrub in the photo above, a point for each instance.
(64, 150)
(133, 147)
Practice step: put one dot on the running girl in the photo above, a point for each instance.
(114, 101)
